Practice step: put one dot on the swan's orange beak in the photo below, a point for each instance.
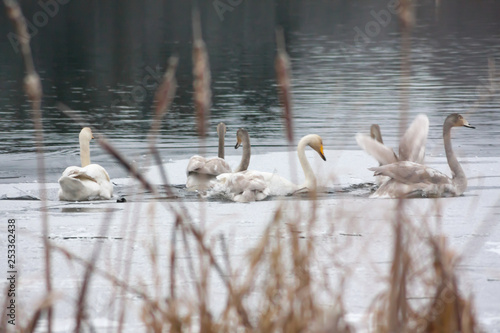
(321, 153)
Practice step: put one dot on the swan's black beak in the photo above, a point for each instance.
(238, 145)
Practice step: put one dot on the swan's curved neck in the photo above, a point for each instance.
(84, 152)
(247, 151)
(310, 179)
(221, 146)
(458, 175)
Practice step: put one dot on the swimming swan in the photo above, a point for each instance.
(275, 185)
(242, 185)
(89, 182)
(201, 170)
(410, 179)
(411, 145)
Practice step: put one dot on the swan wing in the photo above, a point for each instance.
(412, 173)
(394, 189)
(195, 163)
(244, 186)
(412, 144)
(200, 171)
(278, 186)
(81, 184)
(382, 153)
(214, 166)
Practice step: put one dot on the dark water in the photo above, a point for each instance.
(105, 59)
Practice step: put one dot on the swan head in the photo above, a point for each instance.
(458, 120)
(315, 142)
(86, 134)
(221, 129)
(241, 137)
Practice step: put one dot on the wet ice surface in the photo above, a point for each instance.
(346, 218)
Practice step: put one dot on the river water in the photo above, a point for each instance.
(105, 60)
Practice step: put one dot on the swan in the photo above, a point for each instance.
(242, 185)
(201, 170)
(243, 140)
(410, 179)
(411, 145)
(89, 182)
(268, 183)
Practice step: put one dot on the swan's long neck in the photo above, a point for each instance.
(84, 152)
(310, 179)
(221, 146)
(247, 151)
(458, 175)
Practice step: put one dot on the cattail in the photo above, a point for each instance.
(282, 66)
(166, 90)
(406, 14)
(201, 73)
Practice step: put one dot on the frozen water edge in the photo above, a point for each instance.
(360, 224)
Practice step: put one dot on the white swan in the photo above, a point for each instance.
(89, 182)
(410, 179)
(201, 170)
(243, 185)
(268, 183)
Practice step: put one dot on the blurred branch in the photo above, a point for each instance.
(164, 96)
(201, 74)
(282, 66)
(33, 89)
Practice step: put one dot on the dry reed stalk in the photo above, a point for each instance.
(101, 272)
(202, 101)
(126, 258)
(81, 303)
(491, 89)
(201, 77)
(449, 311)
(40, 309)
(5, 304)
(282, 67)
(397, 311)
(393, 315)
(164, 96)
(391, 312)
(33, 89)
(406, 19)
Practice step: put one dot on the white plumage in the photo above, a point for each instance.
(88, 182)
(253, 185)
